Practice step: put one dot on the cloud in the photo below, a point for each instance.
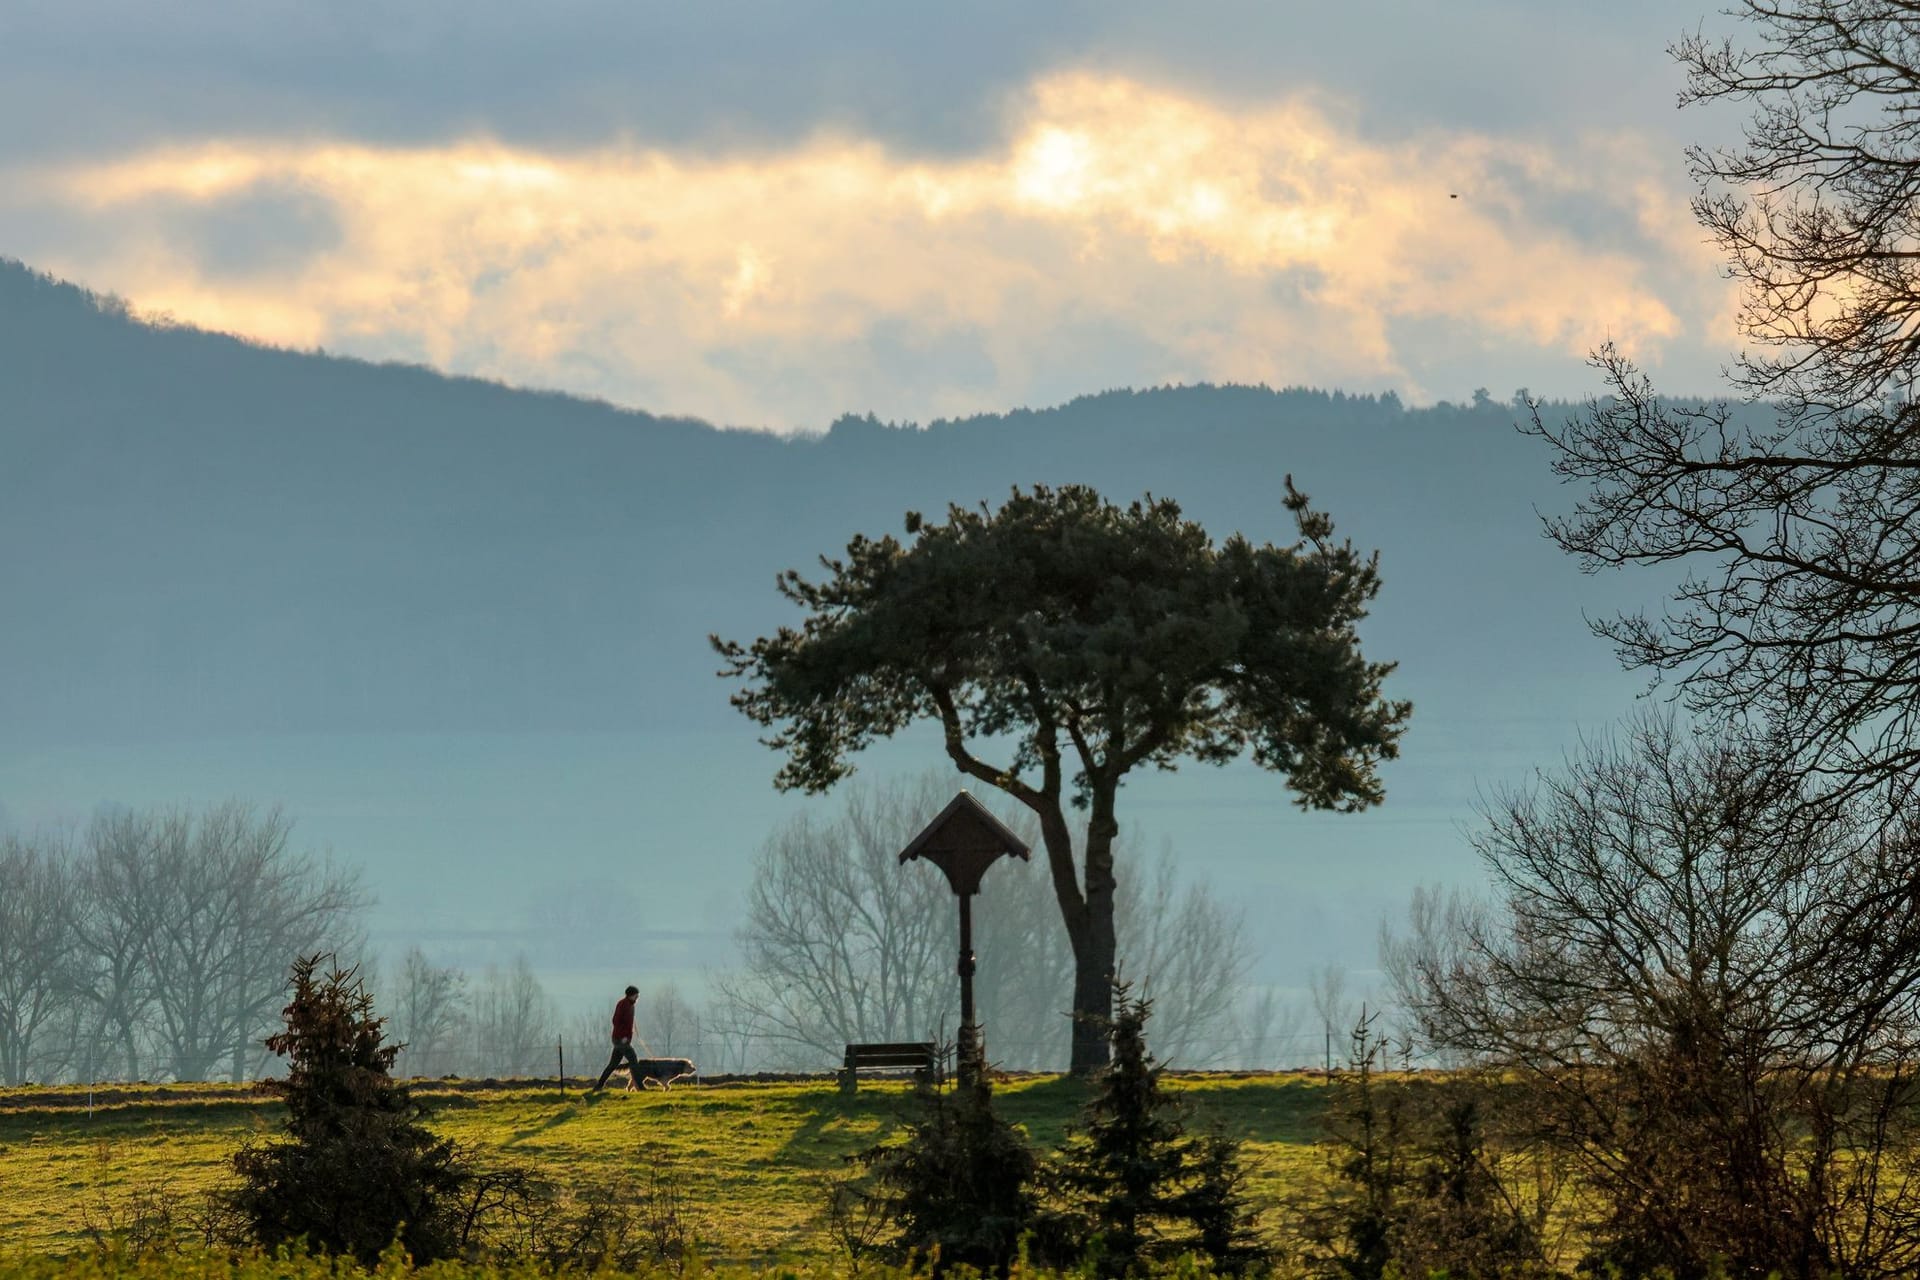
(81, 75)
(1229, 242)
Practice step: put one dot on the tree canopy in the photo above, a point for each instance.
(1084, 639)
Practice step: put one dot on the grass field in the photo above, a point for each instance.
(750, 1155)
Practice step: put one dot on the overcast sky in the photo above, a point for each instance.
(768, 214)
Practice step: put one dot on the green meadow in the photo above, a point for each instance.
(750, 1156)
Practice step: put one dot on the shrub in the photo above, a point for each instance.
(356, 1170)
(1416, 1192)
(958, 1192)
(631, 1224)
(1698, 976)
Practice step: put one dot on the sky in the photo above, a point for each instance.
(768, 214)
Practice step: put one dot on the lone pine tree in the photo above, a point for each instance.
(1094, 639)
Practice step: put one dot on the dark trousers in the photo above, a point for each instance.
(622, 1051)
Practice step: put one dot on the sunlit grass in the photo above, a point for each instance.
(750, 1156)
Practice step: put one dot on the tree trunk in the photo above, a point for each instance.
(130, 1046)
(1093, 959)
(1094, 945)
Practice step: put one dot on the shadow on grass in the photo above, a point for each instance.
(1279, 1109)
(1287, 1109)
(139, 1118)
(564, 1114)
(833, 1125)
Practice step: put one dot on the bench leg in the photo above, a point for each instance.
(849, 1083)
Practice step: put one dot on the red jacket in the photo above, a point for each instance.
(623, 1019)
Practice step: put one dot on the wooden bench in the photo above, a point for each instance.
(922, 1059)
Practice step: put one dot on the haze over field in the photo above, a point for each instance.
(460, 630)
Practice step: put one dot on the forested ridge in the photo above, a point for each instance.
(226, 538)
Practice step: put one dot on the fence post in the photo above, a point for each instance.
(560, 1049)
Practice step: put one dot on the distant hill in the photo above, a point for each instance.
(207, 536)
(462, 629)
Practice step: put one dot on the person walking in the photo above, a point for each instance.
(622, 1041)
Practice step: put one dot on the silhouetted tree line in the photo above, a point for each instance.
(155, 944)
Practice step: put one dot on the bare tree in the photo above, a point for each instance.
(120, 894)
(1270, 1031)
(839, 945)
(1191, 953)
(233, 904)
(1327, 989)
(585, 1033)
(842, 944)
(1708, 994)
(515, 1028)
(427, 1012)
(1433, 918)
(1025, 974)
(728, 1048)
(669, 1025)
(38, 959)
(1799, 520)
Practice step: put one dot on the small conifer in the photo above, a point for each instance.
(959, 1190)
(1134, 1186)
(356, 1169)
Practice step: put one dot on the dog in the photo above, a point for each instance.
(661, 1071)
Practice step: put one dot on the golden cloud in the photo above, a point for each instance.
(1250, 245)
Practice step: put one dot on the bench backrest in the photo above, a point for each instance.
(865, 1056)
